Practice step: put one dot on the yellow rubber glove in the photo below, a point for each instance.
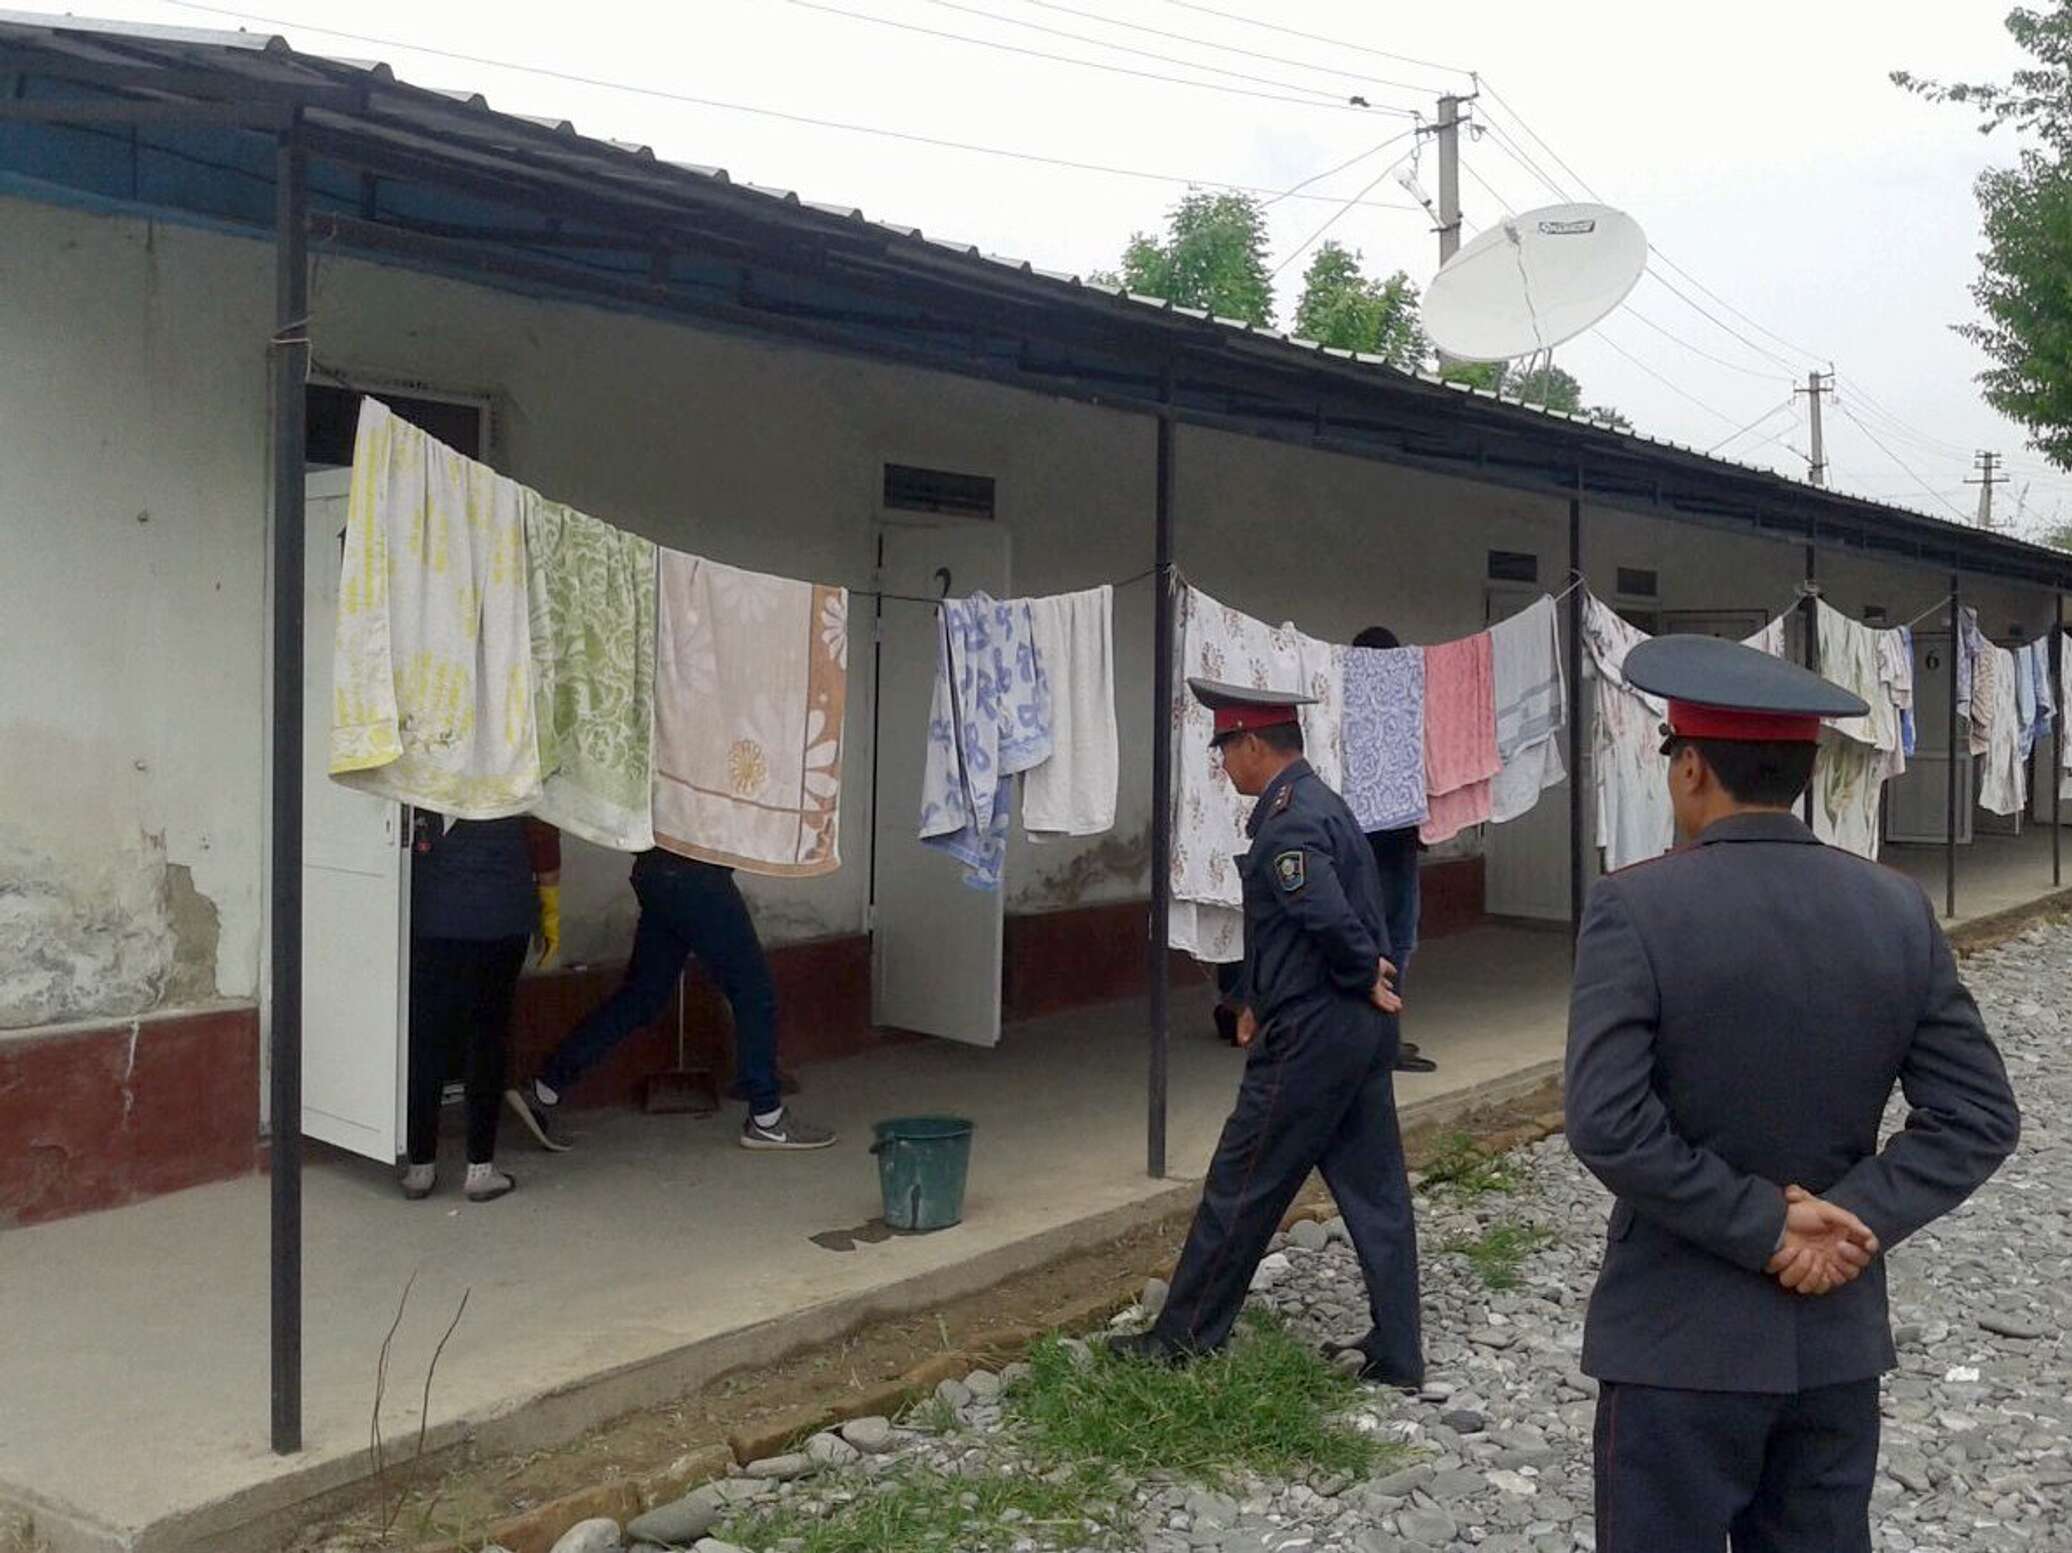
(548, 938)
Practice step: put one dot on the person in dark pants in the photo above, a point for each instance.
(1741, 1012)
(1319, 1019)
(476, 899)
(1395, 860)
(686, 908)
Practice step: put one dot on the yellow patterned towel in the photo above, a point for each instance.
(431, 665)
(751, 676)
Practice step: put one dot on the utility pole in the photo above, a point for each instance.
(1448, 135)
(1988, 466)
(1817, 383)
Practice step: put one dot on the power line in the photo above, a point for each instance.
(1962, 517)
(1094, 64)
(1311, 37)
(1606, 339)
(907, 136)
(1125, 48)
(1505, 103)
(1751, 426)
(1226, 48)
(1295, 190)
(1732, 366)
(1335, 219)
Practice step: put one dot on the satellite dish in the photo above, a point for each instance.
(1534, 281)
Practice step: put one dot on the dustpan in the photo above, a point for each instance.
(680, 1090)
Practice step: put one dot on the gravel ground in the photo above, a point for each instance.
(1978, 1418)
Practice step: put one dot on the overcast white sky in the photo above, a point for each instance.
(1761, 147)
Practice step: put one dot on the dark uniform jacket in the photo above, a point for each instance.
(1741, 1011)
(1314, 927)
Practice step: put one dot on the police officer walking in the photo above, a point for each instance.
(1319, 1018)
(1741, 1011)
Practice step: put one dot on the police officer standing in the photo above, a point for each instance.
(1319, 1019)
(1741, 1011)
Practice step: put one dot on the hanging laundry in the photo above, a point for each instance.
(1634, 819)
(989, 721)
(1985, 700)
(1321, 667)
(1896, 668)
(1460, 735)
(1971, 646)
(591, 592)
(2003, 784)
(2046, 702)
(1851, 657)
(431, 661)
(1073, 792)
(2025, 698)
(1219, 643)
(1531, 708)
(1384, 737)
(751, 681)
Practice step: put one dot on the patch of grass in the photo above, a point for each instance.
(1499, 1253)
(1265, 1404)
(915, 1510)
(1458, 1164)
(932, 1416)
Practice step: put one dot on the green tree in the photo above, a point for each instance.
(2027, 208)
(1343, 307)
(1213, 256)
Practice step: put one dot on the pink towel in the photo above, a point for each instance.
(1460, 735)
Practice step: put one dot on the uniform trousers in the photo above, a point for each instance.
(1699, 1471)
(1318, 1093)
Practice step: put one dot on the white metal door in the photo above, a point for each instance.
(355, 894)
(935, 942)
(1525, 863)
(1918, 798)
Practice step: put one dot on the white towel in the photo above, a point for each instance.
(1531, 709)
(432, 656)
(1073, 792)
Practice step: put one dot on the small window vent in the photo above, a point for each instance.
(1635, 583)
(909, 489)
(1513, 566)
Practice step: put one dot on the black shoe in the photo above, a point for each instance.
(1410, 1062)
(1149, 1348)
(1370, 1371)
(1409, 1048)
(1226, 1024)
(538, 1117)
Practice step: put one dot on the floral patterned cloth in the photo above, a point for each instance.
(431, 698)
(1384, 737)
(989, 721)
(751, 681)
(592, 593)
(1219, 643)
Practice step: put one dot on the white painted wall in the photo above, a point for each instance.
(137, 385)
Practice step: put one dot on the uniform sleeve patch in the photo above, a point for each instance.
(1291, 871)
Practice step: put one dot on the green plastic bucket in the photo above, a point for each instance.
(922, 1162)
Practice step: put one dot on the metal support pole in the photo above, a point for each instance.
(2057, 743)
(1162, 648)
(1950, 835)
(1809, 610)
(1448, 140)
(1576, 857)
(284, 1035)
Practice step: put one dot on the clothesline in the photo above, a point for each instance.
(939, 600)
(1931, 609)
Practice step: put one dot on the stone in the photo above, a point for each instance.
(2021, 1328)
(983, 1385)
(873, 1435)
(600, 1535)
(781, 1469)
(1433, 1527)
(714, 1545)
(1463, 1421)
(1455, 1484)
(831, 1450)
(1076, 1351)
(682, 1521)
(1153, 1300)
(1401, 1483)
(954, 1393)
(1309, 1235)
(1207, 1508)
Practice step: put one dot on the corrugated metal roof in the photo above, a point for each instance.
(464, 125)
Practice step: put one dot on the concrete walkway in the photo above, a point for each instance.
(134, 1384)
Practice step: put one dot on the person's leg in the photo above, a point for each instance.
(1288, 1106)
(1229, 976)
(1817, 1475)
(1364, 1168)
(493, 975)
(432, 1000)
(1675, 1468)
(714, 920)
(660, 947)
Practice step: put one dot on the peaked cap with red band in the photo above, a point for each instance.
(1723, 690)
(1241, 709)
